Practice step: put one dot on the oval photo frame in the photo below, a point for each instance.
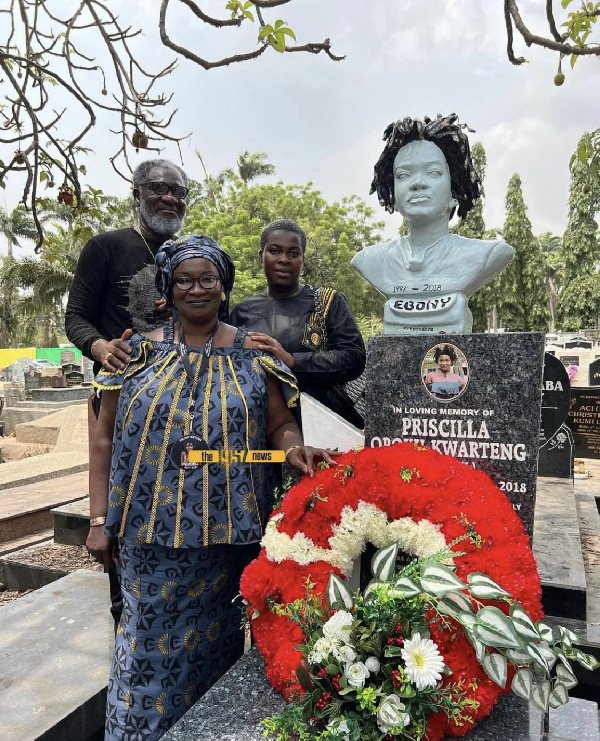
(445, 372)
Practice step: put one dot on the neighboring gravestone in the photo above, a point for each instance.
(556, 442)
(67, 357)
(595, 372)
(69, 368)
(74, 378)
(579, 343)
(490, 419)
(584, 421)
(33, 380)
(88, 370)
(570, 360)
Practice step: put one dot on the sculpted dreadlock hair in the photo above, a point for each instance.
(447, 133)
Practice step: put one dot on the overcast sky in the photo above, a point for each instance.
(322, 121)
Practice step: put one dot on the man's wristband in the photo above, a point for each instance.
(95, 521)
(94, 343)
(289, 450)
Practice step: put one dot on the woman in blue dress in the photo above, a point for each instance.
(182, 531)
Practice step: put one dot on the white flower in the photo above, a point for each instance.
(338, 626)
(357, 674)
(347, 654)
(322, 649)
(339, 725)
(372, 664)
(391, 714)
(424, 663)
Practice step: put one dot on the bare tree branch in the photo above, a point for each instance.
(44, 58)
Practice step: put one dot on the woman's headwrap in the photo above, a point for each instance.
(175, 251)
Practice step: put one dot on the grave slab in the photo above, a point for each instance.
(72, 522)
(557, 549)
(55, 650)
(60, 394)
(233, 708)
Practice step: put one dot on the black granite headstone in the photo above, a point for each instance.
(556, 441)
(485, 410)
(595, 372)
(584, 421)
(580, 343)
(556, 455)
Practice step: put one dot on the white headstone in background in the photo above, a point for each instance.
(323, 428)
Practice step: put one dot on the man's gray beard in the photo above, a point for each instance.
(164, 226)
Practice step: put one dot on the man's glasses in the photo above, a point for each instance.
(184, 282)
(161, 189)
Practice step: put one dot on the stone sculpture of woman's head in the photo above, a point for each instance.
(447, 134)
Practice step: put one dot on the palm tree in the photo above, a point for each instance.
(252, 165)
(15, 225)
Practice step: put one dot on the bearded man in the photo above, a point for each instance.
(98, 307)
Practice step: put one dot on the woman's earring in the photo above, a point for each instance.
(223, 297)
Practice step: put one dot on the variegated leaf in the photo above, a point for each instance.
(467, 620)
(565, 675)
(587, 662)
(545, 631)
(522, 683)
(478, 646)
(523, 623)
(496, 667)
(558, 696)
(540, 696)
(567, 636)
(518, 657)
(406, 587)
(482, 587)
(438, 580)
(338, 594)
(538, 657)
(454, 603)
(493, 628)
(383, 563)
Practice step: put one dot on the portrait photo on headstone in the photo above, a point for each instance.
(445, 372)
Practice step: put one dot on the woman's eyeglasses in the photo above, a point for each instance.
(184, 282)
(161, 189)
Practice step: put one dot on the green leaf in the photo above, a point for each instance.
(264, 32)
(522, 683)
(539, 657)
(338, 594)
(482, 587)
(383, 563)
(372, 585)
(494, 628)
(540, 696)
(523, 623)
(277, 41)
(405, 587)
(304, 678)
(566, 636)
(558, 696)
(288, 32)
(545, 631)
(518, 657)
(439, 580)
(43, 176)
(278, 24)
(565, 676)
(249, 15)
(454, 603)
(496, 667)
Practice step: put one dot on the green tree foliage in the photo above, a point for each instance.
(252, 165)
(38, 286)
(551, 247)
(235, 214)
(523, 304)
(473, 227)
(580, 253)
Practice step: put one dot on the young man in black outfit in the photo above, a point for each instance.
(97, 317)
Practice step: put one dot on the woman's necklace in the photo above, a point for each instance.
(139, 233)
(296, 292)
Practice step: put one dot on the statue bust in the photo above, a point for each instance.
(426, 173)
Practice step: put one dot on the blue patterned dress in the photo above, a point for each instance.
(185, 536)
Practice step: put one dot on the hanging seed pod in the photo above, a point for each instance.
(65, 195)
(139, 140)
